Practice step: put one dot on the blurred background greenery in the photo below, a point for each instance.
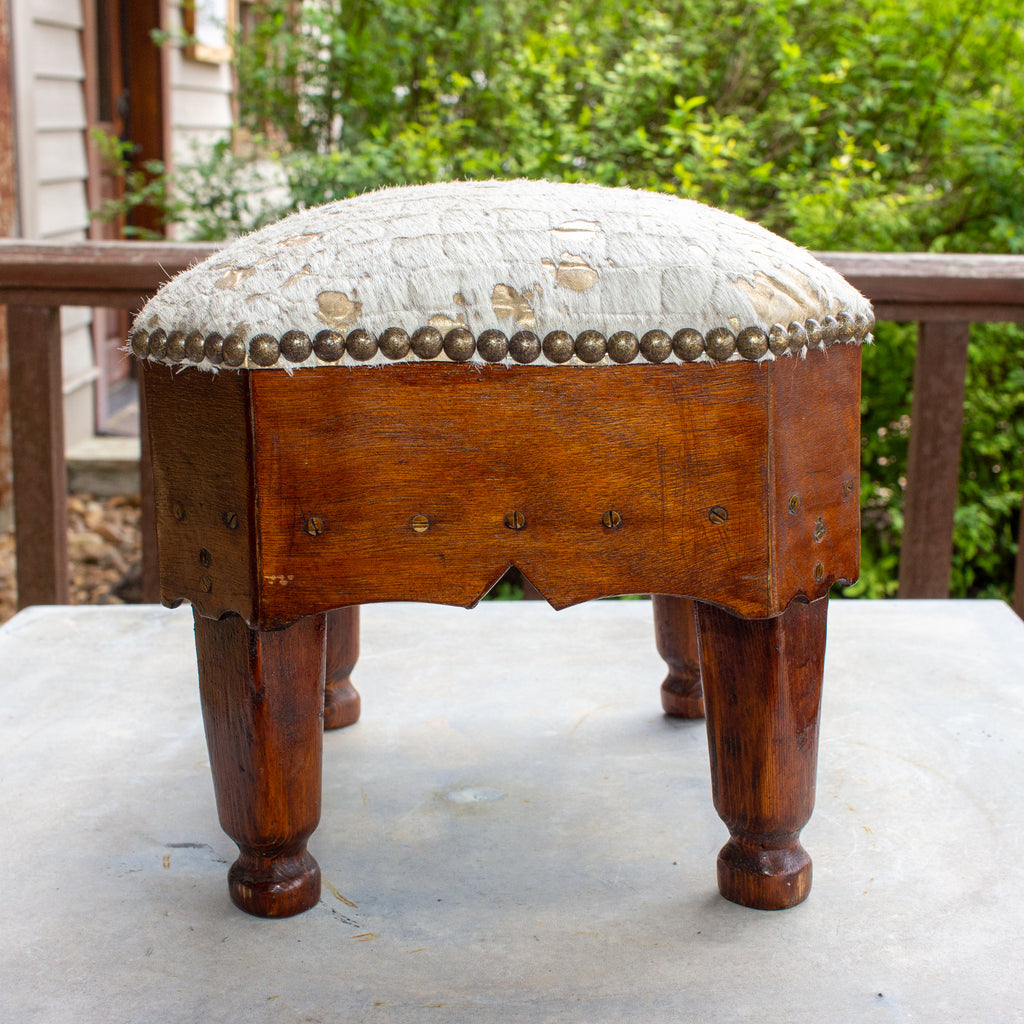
(868, 125)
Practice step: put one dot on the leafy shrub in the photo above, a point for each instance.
(871, 125)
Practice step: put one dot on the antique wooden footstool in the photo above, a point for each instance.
(398, 396)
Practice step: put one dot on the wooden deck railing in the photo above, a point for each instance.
(944, 294)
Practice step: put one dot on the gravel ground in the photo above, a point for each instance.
(103, 547)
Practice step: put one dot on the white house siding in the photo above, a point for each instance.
(52, 131)
(200, 98)
(51, 136)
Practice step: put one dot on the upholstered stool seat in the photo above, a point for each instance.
(398, 396)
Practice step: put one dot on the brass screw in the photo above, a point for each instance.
(515, 520)
(205, 584)
(794, 503)
(420, 524)
(314, 526)
(179, 511)
(718, 514)
(848, 488)
(204, 558)
(231, 520)
(819, 572)
(612, 520)
(819, 529)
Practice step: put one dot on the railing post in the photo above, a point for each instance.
(1018, 578)
(936, 425)
(37, 441)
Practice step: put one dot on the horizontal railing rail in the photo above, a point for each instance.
(943, 293)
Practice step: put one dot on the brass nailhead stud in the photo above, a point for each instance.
(492, 345)
(140, 344)
(623, 347)
(591, 346)
(794, 503)
(205, 584)
(195, 347)
(612, 520)
(797, 336)
(213, 348)
(656, 346)
(329, 346)
(427, 342)
(720, 344)
(204, 558)
(778, 339)
(394, 343)
(688, 344)
(815, 333)
(361, 345)
(420, 524)
(296, 346)
(264, 350)
(819, 572)
(175, 350)
(459, 344)
(752, 343)
(231, 520)
(718, 514)
(845, 327)
(819, 529)
(158, 343)
(179, 511)
(515, 520)
(314, 526)
(829, 330)
(558, 346)
(524, 346)
(233, 350)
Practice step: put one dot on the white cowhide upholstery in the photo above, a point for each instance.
(511, 256)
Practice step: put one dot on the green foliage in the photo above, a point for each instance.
(871, 125)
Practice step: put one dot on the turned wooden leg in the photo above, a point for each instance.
(262, 696)
(762, 691)
(341, 699)
(675, 633)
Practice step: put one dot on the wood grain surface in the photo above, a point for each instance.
(263, 695)
(762, 694)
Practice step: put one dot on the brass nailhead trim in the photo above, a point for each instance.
(460, 345)
(492, 346)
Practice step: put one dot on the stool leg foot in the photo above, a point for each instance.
(341, 699)
(262, 697)
(762, 687)
(675, 633)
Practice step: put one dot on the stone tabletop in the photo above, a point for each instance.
(513, 832)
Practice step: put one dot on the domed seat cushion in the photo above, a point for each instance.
(501, 271)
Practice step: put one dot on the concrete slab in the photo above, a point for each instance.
(513, 832)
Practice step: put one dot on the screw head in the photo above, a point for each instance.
(230, 520)
(718, 514)
(205, 584)
(612, 520)
(794, 504)
(819, 572)
(515, 520)
(314, 526)
(847, 488)
(819, 529)
(204, 558)
(420, 524)
(178, 511)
